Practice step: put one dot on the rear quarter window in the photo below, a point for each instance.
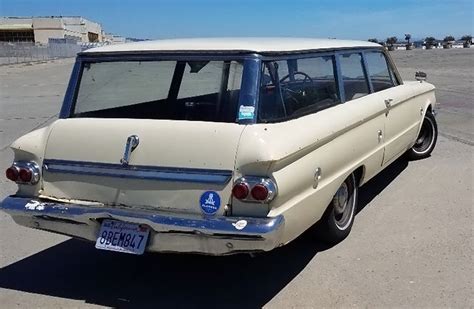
(297, 87)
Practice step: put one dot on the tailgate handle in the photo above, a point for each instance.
(132, 143)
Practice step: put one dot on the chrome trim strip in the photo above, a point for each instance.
(138, 172)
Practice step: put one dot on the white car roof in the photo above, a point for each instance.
(257, 45)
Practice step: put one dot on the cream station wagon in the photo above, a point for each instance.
(218, 146)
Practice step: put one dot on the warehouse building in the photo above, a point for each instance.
(41, 29)
(114, 38)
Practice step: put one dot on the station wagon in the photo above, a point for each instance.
(218, 146)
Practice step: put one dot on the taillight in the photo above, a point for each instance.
(240, 190)
(254, 189)
(12, 173)
(23, 172)
(259, 192)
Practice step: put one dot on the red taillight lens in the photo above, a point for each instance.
(240, 190)
(12, 173)
(24, 172)
(25, 175)
(259, 192)
(254, 189)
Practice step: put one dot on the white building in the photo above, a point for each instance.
(41, 29)
(113, 38)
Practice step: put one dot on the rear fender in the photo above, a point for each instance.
(31, 147)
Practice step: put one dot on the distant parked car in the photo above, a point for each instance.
(218, 146)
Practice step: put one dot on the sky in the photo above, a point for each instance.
(350, 19)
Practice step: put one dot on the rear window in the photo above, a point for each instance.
(177, 90)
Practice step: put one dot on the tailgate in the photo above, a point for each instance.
(177, 165)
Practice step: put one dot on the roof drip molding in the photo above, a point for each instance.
(251, 45)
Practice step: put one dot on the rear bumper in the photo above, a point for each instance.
(170, 232)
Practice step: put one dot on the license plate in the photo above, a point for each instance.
(122, 237)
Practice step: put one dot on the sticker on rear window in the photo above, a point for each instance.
(246, 112)
(210, 202)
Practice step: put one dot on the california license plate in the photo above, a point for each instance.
(122, 237)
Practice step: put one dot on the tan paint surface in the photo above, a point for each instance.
(338, 140)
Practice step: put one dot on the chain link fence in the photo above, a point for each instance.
(21, 52)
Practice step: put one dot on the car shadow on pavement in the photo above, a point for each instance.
(377, 184)
(76, 270)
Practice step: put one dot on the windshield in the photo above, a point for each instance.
(177, 90)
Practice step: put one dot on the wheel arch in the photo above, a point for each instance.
(359, 174)
(429, 105)
(429, 108)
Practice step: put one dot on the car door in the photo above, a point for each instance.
(357, 92)
(401, 116)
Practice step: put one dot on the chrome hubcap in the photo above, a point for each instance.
(340, 199)
(343, 203)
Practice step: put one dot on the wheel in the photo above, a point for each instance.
(426, 140)
(337, 221)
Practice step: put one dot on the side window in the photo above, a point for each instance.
(293, 88)
(209, 90)
(353, 76)
(379, 72)
(235, 75)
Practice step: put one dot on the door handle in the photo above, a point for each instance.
(317, 177)
(388, 103)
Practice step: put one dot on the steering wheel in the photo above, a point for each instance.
(306, 77)
(295, 94)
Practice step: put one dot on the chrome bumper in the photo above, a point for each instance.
(170, 232)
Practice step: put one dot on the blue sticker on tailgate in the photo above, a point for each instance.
(210, 202)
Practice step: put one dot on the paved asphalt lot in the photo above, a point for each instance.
(411, 244)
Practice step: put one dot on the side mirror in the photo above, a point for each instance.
(420, 76)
